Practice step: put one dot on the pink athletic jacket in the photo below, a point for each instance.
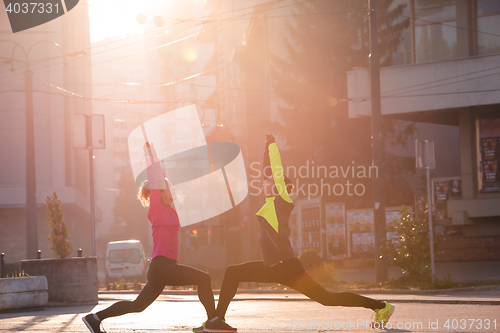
(163, 218)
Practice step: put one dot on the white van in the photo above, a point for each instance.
(125, 259)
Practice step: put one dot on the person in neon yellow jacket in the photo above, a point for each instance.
(279, 264)
(273, 217)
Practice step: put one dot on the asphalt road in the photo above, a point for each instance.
(178, 313)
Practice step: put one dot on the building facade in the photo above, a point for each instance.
(58, 55)
(452, 79)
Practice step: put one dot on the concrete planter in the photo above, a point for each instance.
(71, 281)
(24, 292)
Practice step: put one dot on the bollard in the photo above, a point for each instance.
(2, 265)
(79, 253)
(39, 254)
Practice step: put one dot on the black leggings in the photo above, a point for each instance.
(292, 274)
(165, 272)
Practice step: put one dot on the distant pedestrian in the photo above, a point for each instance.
(158, 194)
(280, 265)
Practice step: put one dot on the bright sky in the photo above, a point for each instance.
(110, 18)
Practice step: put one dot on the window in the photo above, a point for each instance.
(488, 26)
(131, 256)
(402, 55)
(435, 30)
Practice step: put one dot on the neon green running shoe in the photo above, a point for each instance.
(200, 329)
(382, 316)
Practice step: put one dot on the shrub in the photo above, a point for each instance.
(11, 269)
(122, 285)
(137, 285)
(18, 275)
(410, 251)
(61, 246)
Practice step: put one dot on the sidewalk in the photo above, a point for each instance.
(460, 272)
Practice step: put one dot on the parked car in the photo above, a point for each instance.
(125, 259)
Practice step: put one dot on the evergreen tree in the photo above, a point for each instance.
(410, 249)
(61, 246)
(327, 38)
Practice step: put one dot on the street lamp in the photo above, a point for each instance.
(31, 220)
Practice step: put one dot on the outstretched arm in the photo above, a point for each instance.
(266, 166)
(272, 157)
(156, 178)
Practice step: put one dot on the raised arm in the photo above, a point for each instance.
(273, 166)
(266, 165)
(156, 178)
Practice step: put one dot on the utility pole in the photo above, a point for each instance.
(90, 144)
(377, 147)
(31, 222)
(425, 159)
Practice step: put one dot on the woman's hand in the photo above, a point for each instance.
(269, 139)
(149, 150)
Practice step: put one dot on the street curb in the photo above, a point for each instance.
(289, 295)
(394, 301)
(420, 292)
(291, 291)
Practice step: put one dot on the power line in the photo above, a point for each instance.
(444, 93)
(88, 49)
(440, 80)
(189, 77)
(264, 9)
(181, 80)
(291, 15)
(317, 108)
(163, 28)
(447, 25)
(215, 68)
(398, 95)
(444, 84)
(243, 18)
(113, 59)
(129, 101)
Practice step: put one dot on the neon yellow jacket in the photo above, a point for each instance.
(268, 211)
(274, 215)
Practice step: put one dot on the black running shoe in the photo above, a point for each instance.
(218, 325)
(93, 325)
